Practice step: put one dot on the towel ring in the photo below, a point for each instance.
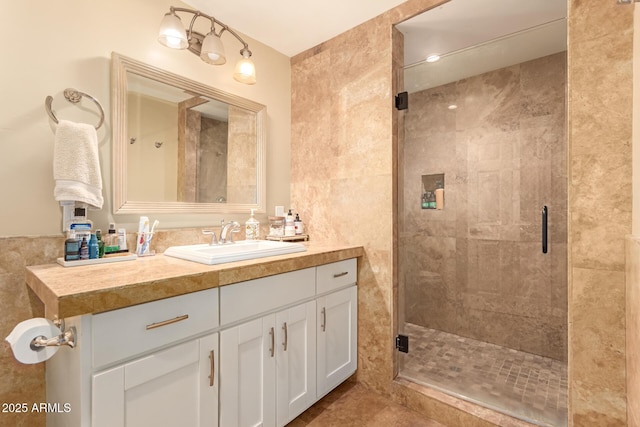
(73, 96)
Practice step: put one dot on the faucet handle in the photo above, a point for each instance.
(235, 228)
(214, 238)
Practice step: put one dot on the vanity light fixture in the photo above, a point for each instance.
(209, 48)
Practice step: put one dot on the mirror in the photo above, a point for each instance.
(183, 147)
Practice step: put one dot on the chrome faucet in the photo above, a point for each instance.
(235, 228)
(225, 237)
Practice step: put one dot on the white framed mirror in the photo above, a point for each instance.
(180, 146)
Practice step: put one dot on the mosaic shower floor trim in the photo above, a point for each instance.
(526, 386)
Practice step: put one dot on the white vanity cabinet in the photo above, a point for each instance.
(172, 387)
(268, 372)
(253, 353)
(337, 331)
(152, 364)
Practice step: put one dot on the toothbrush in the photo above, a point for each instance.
(150, 236)
(144, 223)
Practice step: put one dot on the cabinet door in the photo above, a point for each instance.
(247, 378)
(337, 338)
(295, 361)
(177, 386)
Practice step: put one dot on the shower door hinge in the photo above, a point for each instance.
(402, 343)
(402, 101)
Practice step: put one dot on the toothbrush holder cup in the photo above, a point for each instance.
(143, 244)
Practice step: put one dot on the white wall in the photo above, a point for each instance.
(49, 46)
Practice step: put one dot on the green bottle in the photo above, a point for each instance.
(100, 244)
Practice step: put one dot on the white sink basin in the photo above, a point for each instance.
(237, 251)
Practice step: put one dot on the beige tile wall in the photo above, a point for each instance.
(26, 383)
(342, 183)
(343, 154)
(633, 331)
(476, 267)
(600, 105)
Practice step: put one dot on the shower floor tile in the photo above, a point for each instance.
(523, 385)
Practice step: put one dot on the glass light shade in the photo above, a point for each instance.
(245, 71)
(212, 50)
(172, 33)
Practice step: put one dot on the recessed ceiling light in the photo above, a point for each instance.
(452, 107)
(433, 58)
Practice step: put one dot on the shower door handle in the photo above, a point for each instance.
(545, 214)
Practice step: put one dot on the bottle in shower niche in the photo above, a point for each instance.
(439, 195)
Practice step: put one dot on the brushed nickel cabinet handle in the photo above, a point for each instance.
(324, 319)
(336, 275)
(284, 327)
(167, 322)
(273, 341)
(212, 358)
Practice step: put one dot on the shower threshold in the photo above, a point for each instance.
(529, 387)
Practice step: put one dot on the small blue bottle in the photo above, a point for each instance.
(93, 247)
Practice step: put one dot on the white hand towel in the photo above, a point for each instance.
(76, 164)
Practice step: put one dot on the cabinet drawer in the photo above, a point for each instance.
(253, 297)
(123, 333)
(336, 275)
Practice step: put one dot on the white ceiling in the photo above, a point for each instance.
(511, 31)
(291, 26)
(459, 24)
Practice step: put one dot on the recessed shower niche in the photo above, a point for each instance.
(432, 191)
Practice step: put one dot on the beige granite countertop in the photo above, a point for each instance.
(73, 291)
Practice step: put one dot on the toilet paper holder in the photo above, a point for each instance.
(67, 337)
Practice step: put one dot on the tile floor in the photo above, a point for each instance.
(526, 386)
(352, 405)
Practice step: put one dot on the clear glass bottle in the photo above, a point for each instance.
(111, 240)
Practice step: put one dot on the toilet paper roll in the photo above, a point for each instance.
(24, 333)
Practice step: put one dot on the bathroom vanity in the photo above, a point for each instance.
(164, 342)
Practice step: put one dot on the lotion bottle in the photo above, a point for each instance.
(289, 226)
(252, 228)
(298, 225)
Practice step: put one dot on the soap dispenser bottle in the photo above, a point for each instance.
(298, 225)
(252, 228)
(289, 225)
